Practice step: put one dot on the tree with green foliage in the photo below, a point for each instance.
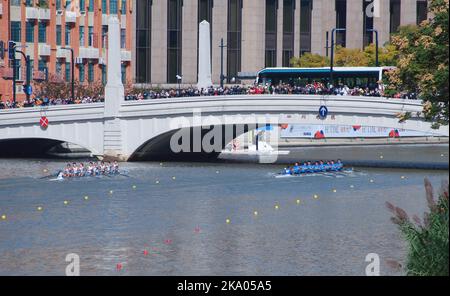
(309, 60)
(427, 239)
(423, 60)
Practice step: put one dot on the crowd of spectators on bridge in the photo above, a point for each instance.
(315, 88)
(46, 101)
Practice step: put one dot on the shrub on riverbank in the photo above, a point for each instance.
(427, 238)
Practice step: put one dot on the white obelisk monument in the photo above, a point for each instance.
(114, 91)
(204, 56)
(114, 94)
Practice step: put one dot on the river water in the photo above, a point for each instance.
(154, 224)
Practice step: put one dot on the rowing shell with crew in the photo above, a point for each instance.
(309, 168)
(92, 169)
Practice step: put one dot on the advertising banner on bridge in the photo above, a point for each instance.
(345, 131)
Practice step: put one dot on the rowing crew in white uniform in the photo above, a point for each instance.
(91, 169)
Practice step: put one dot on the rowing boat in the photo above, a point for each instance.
(61, 177)
(343, 172)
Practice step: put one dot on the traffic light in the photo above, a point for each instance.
(12, 50)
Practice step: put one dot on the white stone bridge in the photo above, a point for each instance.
(143, 129)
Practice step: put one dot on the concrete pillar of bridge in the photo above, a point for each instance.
(114, 95)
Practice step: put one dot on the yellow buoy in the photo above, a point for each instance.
(403, 177)
(381, 156)
(228, 221)
(66, 202)
(255, 213)
(174, 178)
(334, 190)
(442, 155)
(3, 217)
(86, 197)
(316, 196)
(157, 182)
(277, 207)
(111, 192)
(352, 186)
(371, 181)
(161, 164)
(45, 170)
(39, 209)
(134, 186)
(217, 172)
(298, 201)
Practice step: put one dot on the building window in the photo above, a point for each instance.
(395, 10)
(234, 38)
(82, 6)
(174, 33)
(341, 22)
(306, 7)
(81, 72)
(123, 9)
(422, 11)
(58, 35)
(288, 31)
(58, 67)
(58, 4)
(15, 2)
(90, 72)
(29, 31)
(367, 26)
(104, 80)
(123, 38)
(104, 36)
(68, 2)
(113, 6)
(123, 69)
(68, 72)
(67, 35)
(29, 3)
(81, 30)
(42, 32)
(104, 7)
(143, 41)
(15, 31)
(91, 5)
(42, 65)
(205, 11)
(271, 33)
(91, 36)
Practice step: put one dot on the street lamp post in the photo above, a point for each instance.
(376, 46)
(72, 69)
(332, 51)
(222, 76)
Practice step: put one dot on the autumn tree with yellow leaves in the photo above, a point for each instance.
(423, 59)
